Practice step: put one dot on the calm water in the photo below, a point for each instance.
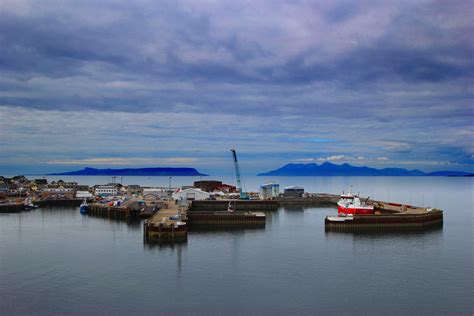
(57, 261)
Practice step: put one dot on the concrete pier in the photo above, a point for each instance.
(388, 222)
(227, 219)
(237, 205)
(101, 210)
(167, 224)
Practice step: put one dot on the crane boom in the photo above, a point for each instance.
(243, 195)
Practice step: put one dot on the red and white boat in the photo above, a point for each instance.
(351, 204)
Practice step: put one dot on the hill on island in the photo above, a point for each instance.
(132, 172)
(329, 169)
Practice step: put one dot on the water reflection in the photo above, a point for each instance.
(432, 233)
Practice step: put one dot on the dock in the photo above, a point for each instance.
(388, 217)
(237, 205)
(113, 212)
(172, 222)
(149, 211)
(19, 206)
(167, 224)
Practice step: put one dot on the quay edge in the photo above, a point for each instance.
(388, 222)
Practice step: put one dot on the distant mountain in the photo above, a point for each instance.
(329, 169)
(132, 172)
(450, 174)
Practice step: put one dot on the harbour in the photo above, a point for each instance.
(236, 158)
(102, 259)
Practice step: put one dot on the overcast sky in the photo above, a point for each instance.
(179, 83)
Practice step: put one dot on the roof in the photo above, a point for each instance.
(193, 189)
(207, 182)
(270, 185)
(294, 187)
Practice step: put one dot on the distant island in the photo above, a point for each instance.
(132, 172)
(330, 169)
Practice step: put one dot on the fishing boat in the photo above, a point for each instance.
(84, 206)
(351, 204)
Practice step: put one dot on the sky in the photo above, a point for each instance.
(179, 83)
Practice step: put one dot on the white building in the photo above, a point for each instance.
(269, 191)
(106, 190)
(83, 194)
(58, 190)
(191, 194)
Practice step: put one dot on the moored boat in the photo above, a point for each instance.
(84, 207)
(351, 204)
(28, 204)
(340, 218)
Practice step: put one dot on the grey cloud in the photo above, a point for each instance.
(391, 70)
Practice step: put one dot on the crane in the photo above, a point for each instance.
(243, 195)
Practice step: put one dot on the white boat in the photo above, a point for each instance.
(340, 218)
(84, 206)
(28, 204)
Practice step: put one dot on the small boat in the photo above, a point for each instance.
(340, 218)
(28, 204)
(84, 207)
(230, 208)
(351, 204)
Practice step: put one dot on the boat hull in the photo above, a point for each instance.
(355, 210)
(83, 209)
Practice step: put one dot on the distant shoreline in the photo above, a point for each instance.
(148, 172)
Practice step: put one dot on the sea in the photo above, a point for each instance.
(57, 261)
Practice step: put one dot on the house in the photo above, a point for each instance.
(293, 191)
(19, 180)
(269, 191)
(4, 188)
(191, 194)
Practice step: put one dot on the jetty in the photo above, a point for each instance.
(167, 224)
(113, 212)
(388, 217)
(173, 221)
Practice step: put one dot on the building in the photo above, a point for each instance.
(227, 188)
(81, 188)
(208, 185)
(293, 191)
(155, 193)
(105, 190)
(41, 182)
(58, 193)
(134, 189)
(4, 188)
(83, 194)
(269, 191)
(191, 194)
